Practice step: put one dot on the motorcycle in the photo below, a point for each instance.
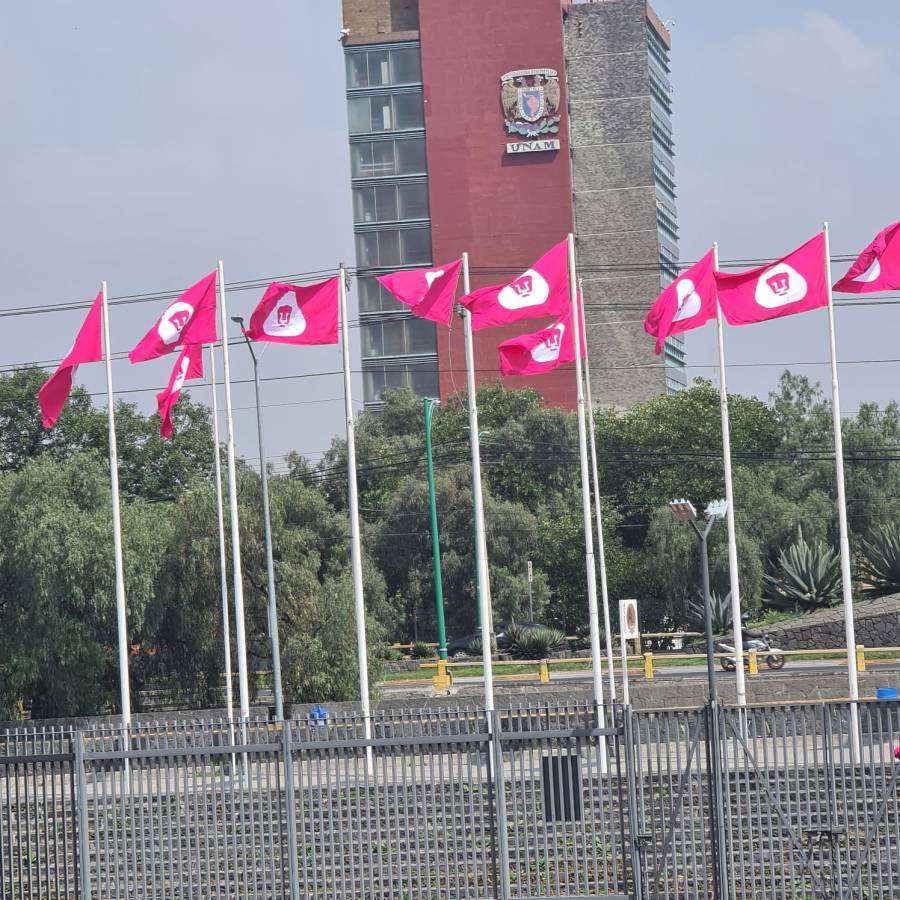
(766, 653)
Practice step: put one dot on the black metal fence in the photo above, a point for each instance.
(550, 802)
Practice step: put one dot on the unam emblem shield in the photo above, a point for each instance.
(531, 103)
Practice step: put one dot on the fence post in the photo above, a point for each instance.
(648, 666)
(83, 857)
(289, 800)
(717, 813)
(500, 797)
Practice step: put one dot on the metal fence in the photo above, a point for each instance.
(551, 802)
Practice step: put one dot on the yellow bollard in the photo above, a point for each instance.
(444, 679)
(648, 666)
(544, 672)
(860, 658)
(754, 662)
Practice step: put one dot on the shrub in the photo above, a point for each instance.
(808, 576)
(421, 650)
(474, 648)
(534, 643)
(880, 565)
(720, 607)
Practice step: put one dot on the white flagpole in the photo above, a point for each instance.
(353, 501)
(226, 625)
(733, 573)
(593, 616)
(124, 689)
(604, 590)
(238, 578)
(481, 564)
(849, 625)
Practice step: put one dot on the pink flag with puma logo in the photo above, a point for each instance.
(428, 292)
(793, 284)
(188, 365)
(292, 314)
(542, 351)
(877, 268)
(542, 290)
(189, 319)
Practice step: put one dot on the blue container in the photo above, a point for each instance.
(888, 693)
(318, 715)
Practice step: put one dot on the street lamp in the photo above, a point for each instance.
(684, 511)
(267, 531)
(429, 404)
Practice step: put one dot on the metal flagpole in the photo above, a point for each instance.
(238, 579)
(223, 577)
(481, 565)
(604, 591)
(593, 616)
(734, 574)
(124, 688)
(849, 625)
(355, 546)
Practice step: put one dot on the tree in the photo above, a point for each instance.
(58, 636)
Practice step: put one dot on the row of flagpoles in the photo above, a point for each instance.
(317, 314)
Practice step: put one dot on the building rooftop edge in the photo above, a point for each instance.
(657, 25)
(393, 37)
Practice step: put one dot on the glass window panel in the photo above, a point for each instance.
(394, 343)
(408, 111)
(388, 249)
(379, 71)
(371, 339)
(367, 249)
(416, 245)
(383, 155)
(360, 115)
(373, 384)
(361, 160)
(357, 70)
(364, 204)
(405, 66)
(382, 117)
(420, 336)
(413, 201)
(424, 380)
(411, 157)
(395, 377)
(386, 203)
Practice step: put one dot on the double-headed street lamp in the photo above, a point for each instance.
(429, 404)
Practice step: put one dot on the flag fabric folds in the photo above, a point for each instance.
(88, 347)
(189, 319)
(542, 290)
(542, 351)
(688, 302)
(288, 314)
(793, 284)
(428, 292)
(189, 365)
(877, 268)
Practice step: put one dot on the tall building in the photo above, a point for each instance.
(496, 128)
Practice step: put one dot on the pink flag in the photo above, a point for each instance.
(188, 365)
(88, 347)
(688, 302)
(540, 352)
(430, 292)
(541, 291)
(877, 268)
(189, 319)
(288, 314)
(794, 284)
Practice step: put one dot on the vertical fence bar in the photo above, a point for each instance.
(82, 859)
(291, 809)
(637, 866)
(500, 797)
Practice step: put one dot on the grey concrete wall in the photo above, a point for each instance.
(614, 195)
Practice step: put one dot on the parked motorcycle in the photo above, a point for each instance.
(766, 653)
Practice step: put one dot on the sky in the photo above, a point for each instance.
(142, 142)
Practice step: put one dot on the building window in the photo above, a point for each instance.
(398, 337)
(393, 247)
(422, 377)
(378, 68)
(388, 158)
(390, 203)
(386, 112)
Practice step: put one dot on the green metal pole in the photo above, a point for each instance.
(429, 406)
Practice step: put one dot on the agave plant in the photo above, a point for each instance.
(807, 576)
(880, 564)
(720, 607)
(535, 642)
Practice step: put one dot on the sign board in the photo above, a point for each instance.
(530, 572)
(628, 620)
(533, 146)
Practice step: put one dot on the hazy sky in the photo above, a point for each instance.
(141, 142)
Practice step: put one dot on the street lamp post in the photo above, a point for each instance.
(429, 405)
(267, 530)
(684, 512)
